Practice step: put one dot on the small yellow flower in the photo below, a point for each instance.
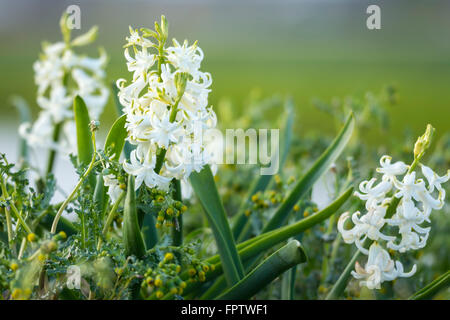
(296, 208)
(183, 208)
(306, 213)
(31, 237)
(168, 256)
(205, 268)
(159, 294)
(41, 257)
(192, 272)
(247, 213)
(169, 211)
(63, 235)
(255, 197)
(158, 282)
(183, 285)
(16, 294)
(14, 266)
(277, 179)
(174, 290)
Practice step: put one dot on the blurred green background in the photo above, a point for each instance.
(304, 48)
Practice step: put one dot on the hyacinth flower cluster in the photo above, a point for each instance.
(60, 75)
(166, 105)
(413, 198)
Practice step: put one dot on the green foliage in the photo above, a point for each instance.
(132, 237)
(205, 189)
(85, 149)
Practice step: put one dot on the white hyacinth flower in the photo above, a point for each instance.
(379, 268)
(166, 104)
(416, 201)
(324, 190)
(60, 75)
(114, 190)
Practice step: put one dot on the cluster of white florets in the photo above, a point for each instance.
(60, 75)
(166, 104)
(417, 200)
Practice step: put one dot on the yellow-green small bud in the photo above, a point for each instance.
(31, 237)
(16, 294)
(168, 256)
(423, 142)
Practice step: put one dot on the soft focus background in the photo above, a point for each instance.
(302, 48)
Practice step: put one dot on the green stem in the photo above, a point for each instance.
(9, 227)
(13, 207)
(52, 154)
(110, 218)
(74, 191)
(112, 213)
(161, 153)
(177, 231)
(341, 283)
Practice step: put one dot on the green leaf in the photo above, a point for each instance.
(132, 237)
(341, 283)
(280, 261)
(320, 166)
(116, 137)
(288, 284)
(128, 147)
(432, 288)
(24, 116)
(84, 136)
(241, 226)
(205, 188)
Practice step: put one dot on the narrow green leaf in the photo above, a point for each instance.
(206, 191)
(127, 147)
(430, 290)
(84, 139)
(241, 222)
(132, 237)
(341, 283)
(116, 137)
(320, 166)
(280, 261)
(23, 109)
